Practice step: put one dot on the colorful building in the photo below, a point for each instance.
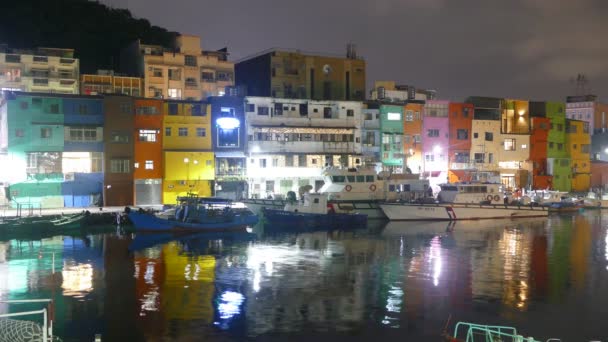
(538, 145)
(53, 144)
(229, 143)
(558, 161)
(460, 134)
(35, 141)
(391, 135)
(148, 151)
(514, 153)
(187, 155)
(435, 141)
(41, 70)
(578, 147)
(183, 71)
(294, 74)
(82, 156)
(412, 135)
(119, 152)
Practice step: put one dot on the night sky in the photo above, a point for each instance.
(529, 49)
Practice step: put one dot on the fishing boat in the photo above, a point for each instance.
(194, 214)
(70, 221)
(313, 210)
(463, 201)
(358, 189)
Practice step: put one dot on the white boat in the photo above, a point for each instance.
(359, 190)
(463, 201)
(595, 201)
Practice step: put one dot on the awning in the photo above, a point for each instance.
(230, 154)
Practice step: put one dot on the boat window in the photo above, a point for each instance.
(369, 179)
(405, 187)
(484, 189)
(360, 179)
(391, 188)
(316, 200)
(449, 188)
(351, 179)
(337, 179)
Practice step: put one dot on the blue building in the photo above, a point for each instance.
(229, 144)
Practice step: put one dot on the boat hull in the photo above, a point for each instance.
(370, 208)
(149, 223)
(457, 212)
(275, 216)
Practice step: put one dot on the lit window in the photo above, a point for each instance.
(175, 93)
(149, 164)
(147, 135)
(393, 116)
(524, 146)
(509, 144)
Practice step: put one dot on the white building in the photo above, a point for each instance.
(370, 136)
(290, 141)
(43, 70)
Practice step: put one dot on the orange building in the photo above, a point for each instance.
(461, 121)
(148, 166)
(538, 153)
(412, 135)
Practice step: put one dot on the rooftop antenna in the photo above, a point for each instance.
(580, 84)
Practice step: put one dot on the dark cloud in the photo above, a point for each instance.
(519, 48)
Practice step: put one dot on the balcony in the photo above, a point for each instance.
(463, 166)
(233, 174)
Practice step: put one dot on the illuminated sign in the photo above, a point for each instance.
(228, 123)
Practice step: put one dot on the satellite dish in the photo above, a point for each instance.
(326, 69)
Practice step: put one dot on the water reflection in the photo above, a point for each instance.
(406, 278)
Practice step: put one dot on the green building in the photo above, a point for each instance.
(391, 132)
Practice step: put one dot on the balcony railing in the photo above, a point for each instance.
(230, 173)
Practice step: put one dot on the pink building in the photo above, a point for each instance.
(435, 142)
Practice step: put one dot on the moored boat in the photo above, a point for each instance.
(194, 214)
(358, 189)
(463, 201)
(313, 210)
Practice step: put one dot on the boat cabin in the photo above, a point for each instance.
(491, 193)
(311, 203)
(364, 184)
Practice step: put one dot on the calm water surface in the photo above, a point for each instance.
(548, 277)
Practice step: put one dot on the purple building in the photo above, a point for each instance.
(435, 142)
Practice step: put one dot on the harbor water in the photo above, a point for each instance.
(401, 280)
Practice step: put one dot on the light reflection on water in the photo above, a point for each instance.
(407, 278)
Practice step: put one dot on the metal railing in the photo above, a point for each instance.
(47, 315)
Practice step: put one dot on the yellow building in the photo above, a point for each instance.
(41, 70)
(188, 159)
(578, 144)
(295, 74)
(106, 82)
(183, 71)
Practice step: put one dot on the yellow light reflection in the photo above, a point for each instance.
(77, 279)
